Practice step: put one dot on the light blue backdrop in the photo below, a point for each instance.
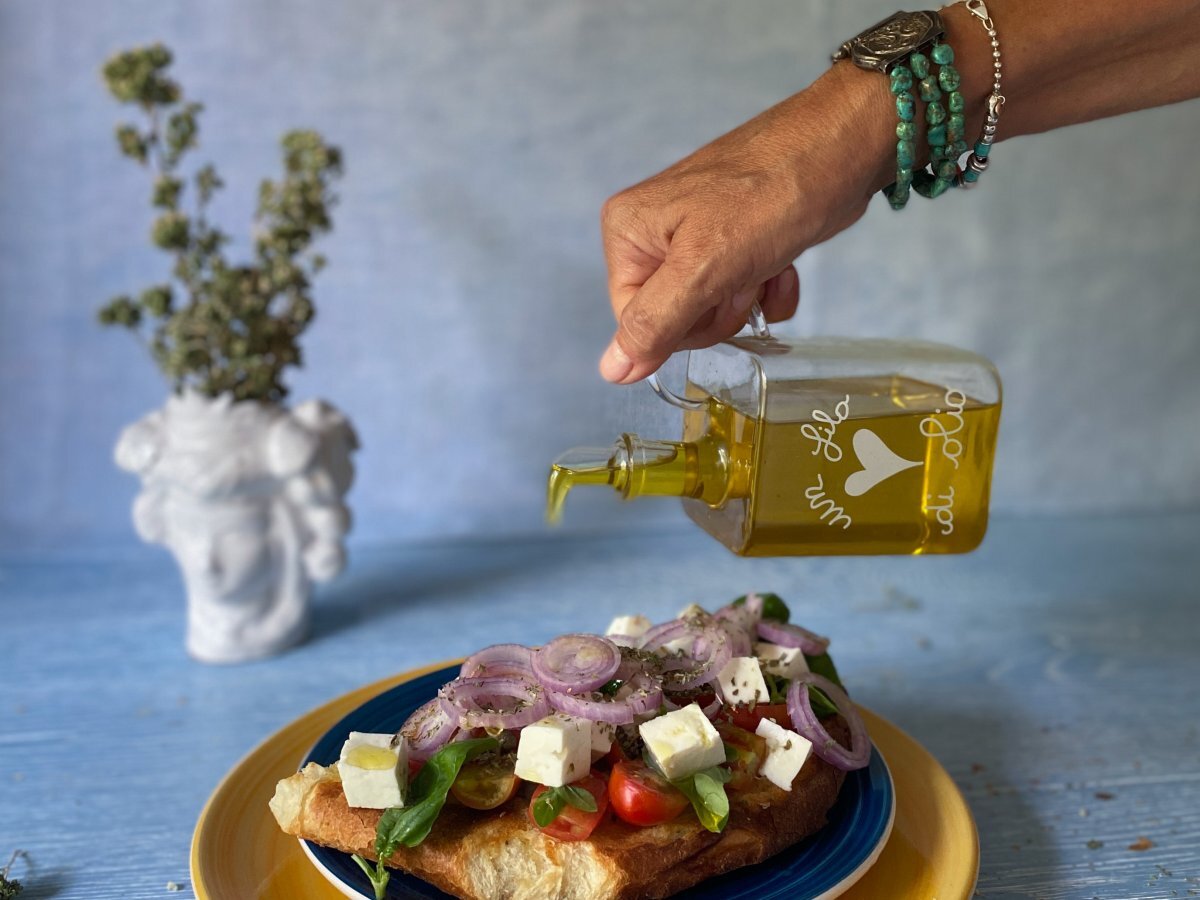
(465, 307)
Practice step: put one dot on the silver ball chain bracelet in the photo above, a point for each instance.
(977, 161)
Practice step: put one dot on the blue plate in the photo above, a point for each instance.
(816, 869)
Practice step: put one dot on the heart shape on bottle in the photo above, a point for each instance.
(877, 460)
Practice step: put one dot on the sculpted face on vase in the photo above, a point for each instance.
(249, 499)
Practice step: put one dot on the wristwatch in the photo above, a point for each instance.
(892, 40)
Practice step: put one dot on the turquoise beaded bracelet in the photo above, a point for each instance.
(906, 135)
(945, 133)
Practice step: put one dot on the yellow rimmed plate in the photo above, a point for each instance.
(238, 852)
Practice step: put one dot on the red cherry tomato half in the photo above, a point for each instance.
(748, 717)
(573, 824)
(640, 796)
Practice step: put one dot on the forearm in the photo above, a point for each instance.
(1062, 63)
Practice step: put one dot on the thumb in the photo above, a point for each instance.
(655, 321)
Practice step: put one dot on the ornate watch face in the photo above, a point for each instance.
(894, 38)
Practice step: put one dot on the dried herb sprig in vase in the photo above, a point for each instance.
(219, 327)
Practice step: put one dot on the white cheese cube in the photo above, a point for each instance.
(683, 742)
(555, 750)
(631, 626)
(786, 753)
(787, 662)
(741, 682)
(692, 610)
(374, 772)
(602, 739)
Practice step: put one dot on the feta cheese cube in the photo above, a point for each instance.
(787, 662)
(692, 610)
(741, 683)
(374, 770)
(786, 753)
(602, 739)
(631, 626)
(555, 750)
(683, 742)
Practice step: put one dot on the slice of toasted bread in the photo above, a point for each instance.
(498, 854)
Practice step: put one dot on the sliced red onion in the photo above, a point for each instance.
(805, 721)
(710, 652)
(632, 641)
(429, 728)
(645, 694)
(576, 663)
(713, 708)
(502, 702)
(498, 660)
(740, 643)
(661, 635)
(786, 635)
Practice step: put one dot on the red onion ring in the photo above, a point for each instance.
(429, 728)
(805, 721)
(498, 660)
(710, 652)
(786, 635)
(576, 663)
(476, 699)
(660, 635)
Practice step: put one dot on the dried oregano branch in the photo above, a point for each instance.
(216, 327)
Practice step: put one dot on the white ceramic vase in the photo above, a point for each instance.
(248, 497)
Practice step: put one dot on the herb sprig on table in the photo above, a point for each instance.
(9, 888)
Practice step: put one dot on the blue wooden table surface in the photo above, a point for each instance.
(1055, 673)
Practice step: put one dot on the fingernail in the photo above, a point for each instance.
(614, 364)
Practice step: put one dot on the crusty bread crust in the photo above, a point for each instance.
(499, 855)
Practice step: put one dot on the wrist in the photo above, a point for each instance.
(866, 123)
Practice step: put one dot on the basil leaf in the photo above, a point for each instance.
(553, 800)
(706, 790)
(773, 607)
(777, 687)
(578, 797)
(410, 824)
(822, 665)
(547, 806)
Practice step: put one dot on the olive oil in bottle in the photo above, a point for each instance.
(785, 453)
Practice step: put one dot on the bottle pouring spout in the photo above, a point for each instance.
(632, 466)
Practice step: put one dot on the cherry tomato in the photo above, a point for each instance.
(486, 782)
(746, 752)
(640, 796)
(573, 824)
(748, 717)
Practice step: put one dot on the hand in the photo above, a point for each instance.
(690, 249)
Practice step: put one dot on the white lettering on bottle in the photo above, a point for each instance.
(824, 437)
(944, 512)
(817, 500)
(934, 427)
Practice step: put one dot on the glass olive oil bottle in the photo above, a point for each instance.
(818, 447)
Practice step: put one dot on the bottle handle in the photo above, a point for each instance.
(758, 324)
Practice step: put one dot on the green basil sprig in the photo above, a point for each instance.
(551, 802)
(410, 824)
(706, 790)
